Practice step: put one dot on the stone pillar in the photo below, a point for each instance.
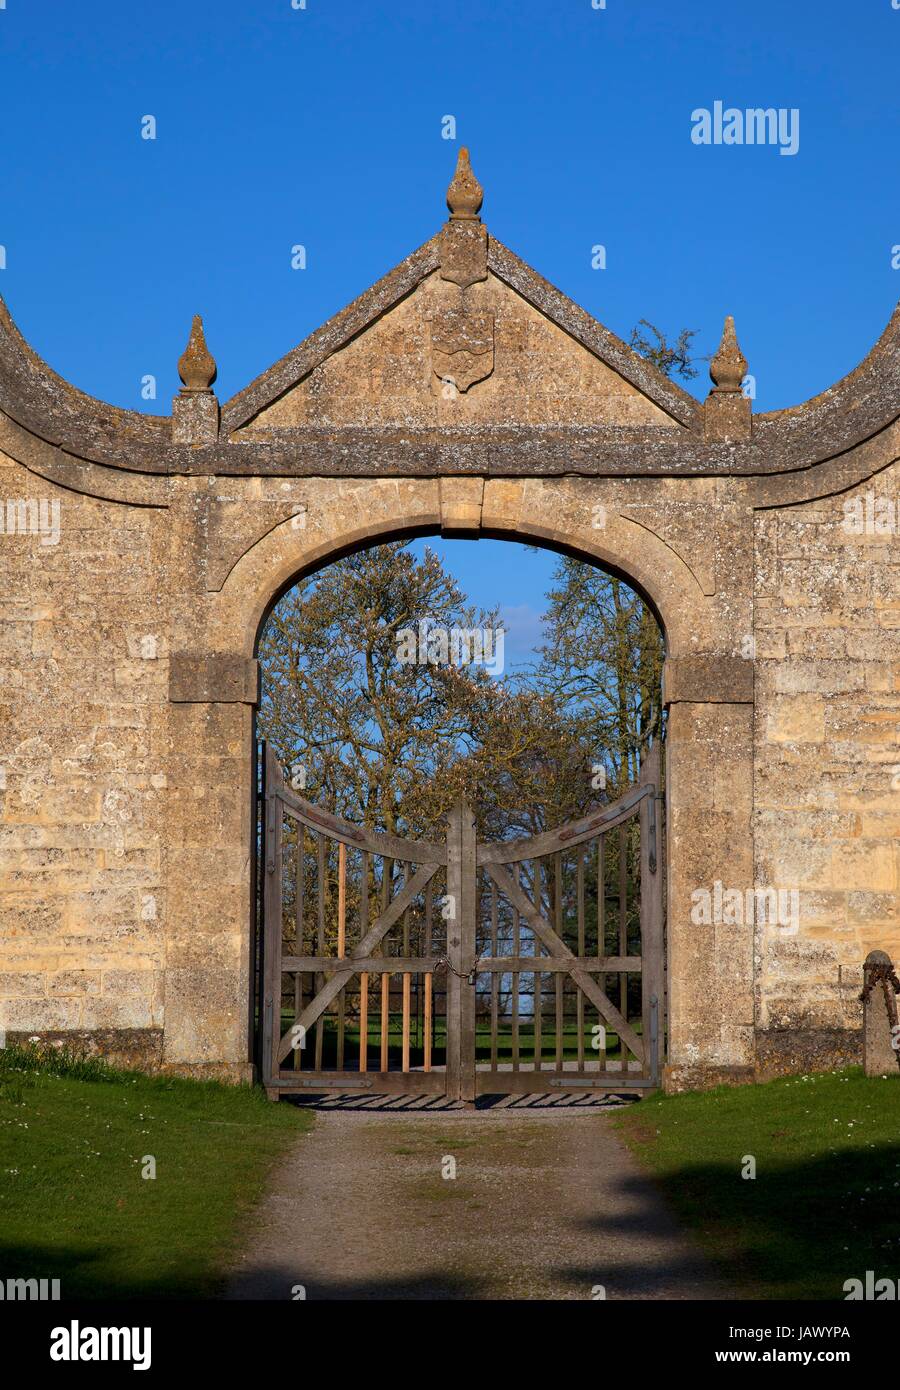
(210, 720)
(709, 790)
(880, 1057)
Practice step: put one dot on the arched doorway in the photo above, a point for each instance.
(458, 897)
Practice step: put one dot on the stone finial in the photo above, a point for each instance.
(195, 410)
(465, 194)
(196, 365)
(727, 412)
(729, 365)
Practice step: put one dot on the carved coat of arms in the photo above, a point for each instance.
(462, 347)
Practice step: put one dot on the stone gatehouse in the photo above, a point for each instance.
(461, 395)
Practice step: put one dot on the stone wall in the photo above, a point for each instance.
(125, 821)
(128, 677)
(83, 771)
(827, 775)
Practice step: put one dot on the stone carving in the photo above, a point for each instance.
(729, 365)
(462, 347)
(196, 365)
(464, 242)
(465, 194)
(727, 413)
(464, 252)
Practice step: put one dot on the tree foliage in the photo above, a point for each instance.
(391, 745)
(671, 358)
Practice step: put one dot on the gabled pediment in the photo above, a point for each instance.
(462, 360)
(462, 333)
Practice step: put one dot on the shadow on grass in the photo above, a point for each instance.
(798, 1230)
(430, 1285)
(84, 1272)
(80, 1272)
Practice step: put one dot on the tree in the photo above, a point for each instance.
(670, 358)
(602, 664)
(374, 735)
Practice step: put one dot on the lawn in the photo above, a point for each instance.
(74, 1203)
(823, 1207)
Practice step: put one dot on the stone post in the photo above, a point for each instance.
(879, 1015)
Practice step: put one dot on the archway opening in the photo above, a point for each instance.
(415, 675)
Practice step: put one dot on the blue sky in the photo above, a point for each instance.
(323, 126)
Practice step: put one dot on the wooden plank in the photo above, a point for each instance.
(601, 906)
(342, 901)
(361, 837)
(429, 924)
(454, 950)
(623, 914)
(515, 987)
(558, 907)
(364, 1021)
(272, 924)
(299, 887)
(405, 1035)
(385, 1020)
(428, 1021)
(579, 997)
(413, 965)
(507, 884)
(652, 924)
(504, 964)
(494, 1083)
(320, 942)
(514, 851)
(468, 952)
(298, 1010)
(341, 949)
(537, 1003)
(374, 1083)
(495, 978)
(380, 927)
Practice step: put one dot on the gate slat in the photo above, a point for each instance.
(385, 1021)
(541, 926)
(495, 979)
(579, 997)
(426, 1038)
(341, 947)
(556, 925)
(376, 933)
(298, 891)
(538, 983)
(320, 944)
(559, 979)
(623, 914)
(515, 998)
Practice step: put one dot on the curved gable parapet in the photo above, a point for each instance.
(852, 410)
(50, 408)
(538, 387)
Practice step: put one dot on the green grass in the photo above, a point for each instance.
(73, 1202)
(825, 1203)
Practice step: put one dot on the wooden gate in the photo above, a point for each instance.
(456, 967)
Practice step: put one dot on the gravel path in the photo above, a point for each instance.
(544, 1205)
